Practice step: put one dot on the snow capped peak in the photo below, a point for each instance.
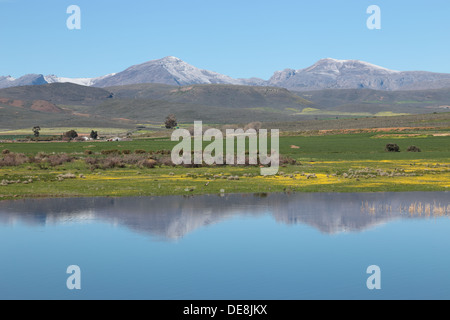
(331, 60)
(334, 66)
(181, 72)
(51, 78)
(171, 58)
(80, 81)
(373, 66)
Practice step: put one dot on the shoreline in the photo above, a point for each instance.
(225, 195)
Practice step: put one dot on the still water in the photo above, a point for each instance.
(276, 246)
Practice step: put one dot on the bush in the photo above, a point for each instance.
(284, 160)
(91, 161)
(112, 162)
(126, 152)
(110, 152)
(392, 147)
(148, 163)
(59, 159)
(13, 159)
(139, 151)
(413, 149)
(133, 158)
(166, 161)
(6, 151)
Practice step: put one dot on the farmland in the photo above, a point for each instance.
(315, 162)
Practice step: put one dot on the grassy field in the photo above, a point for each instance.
(314, 111)
(61, 130)
(353, 162)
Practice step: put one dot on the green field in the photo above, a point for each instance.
(325, 163)
(61, 130)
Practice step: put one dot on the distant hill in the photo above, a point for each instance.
(128, 106)
(131, 105)
(374, 101)
(12, 118)
(58, 93)
(44, 105)
(225, 96)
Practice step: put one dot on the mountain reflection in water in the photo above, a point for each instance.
(174, 217)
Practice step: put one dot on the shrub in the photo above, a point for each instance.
(287, 160)
(6, 151)
(139, 151)
(91, 161)
(110, 152)
(112, 162)
(13, 159)
(166, 161)
(39, 157)
(126, 152)
(133, 158)
(148, 163)
(413, 149)
(59, 159)
(392, 147)
(163, 152)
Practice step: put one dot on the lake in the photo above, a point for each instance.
(262, 246)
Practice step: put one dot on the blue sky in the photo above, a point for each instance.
(242, 38)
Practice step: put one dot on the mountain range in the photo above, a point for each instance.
(172, 218)
(325, 74)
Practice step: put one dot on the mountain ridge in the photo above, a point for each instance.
(326, 73)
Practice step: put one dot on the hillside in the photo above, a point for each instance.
(19, 118)
(58, 93)
(225, 96)
(374, 101)
(65, 104)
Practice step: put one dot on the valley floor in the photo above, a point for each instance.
(355, 162)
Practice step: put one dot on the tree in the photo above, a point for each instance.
(414, 149)
(94, 135)
(392, 147)
(36, 131)
(72, 134)
(171, 121)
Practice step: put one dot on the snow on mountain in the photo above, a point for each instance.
(324, 74)
(29, 79)
(354, 74)
(169, 70)
(88, 82)
(334, 66)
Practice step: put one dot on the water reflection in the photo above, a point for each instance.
(174, 217)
